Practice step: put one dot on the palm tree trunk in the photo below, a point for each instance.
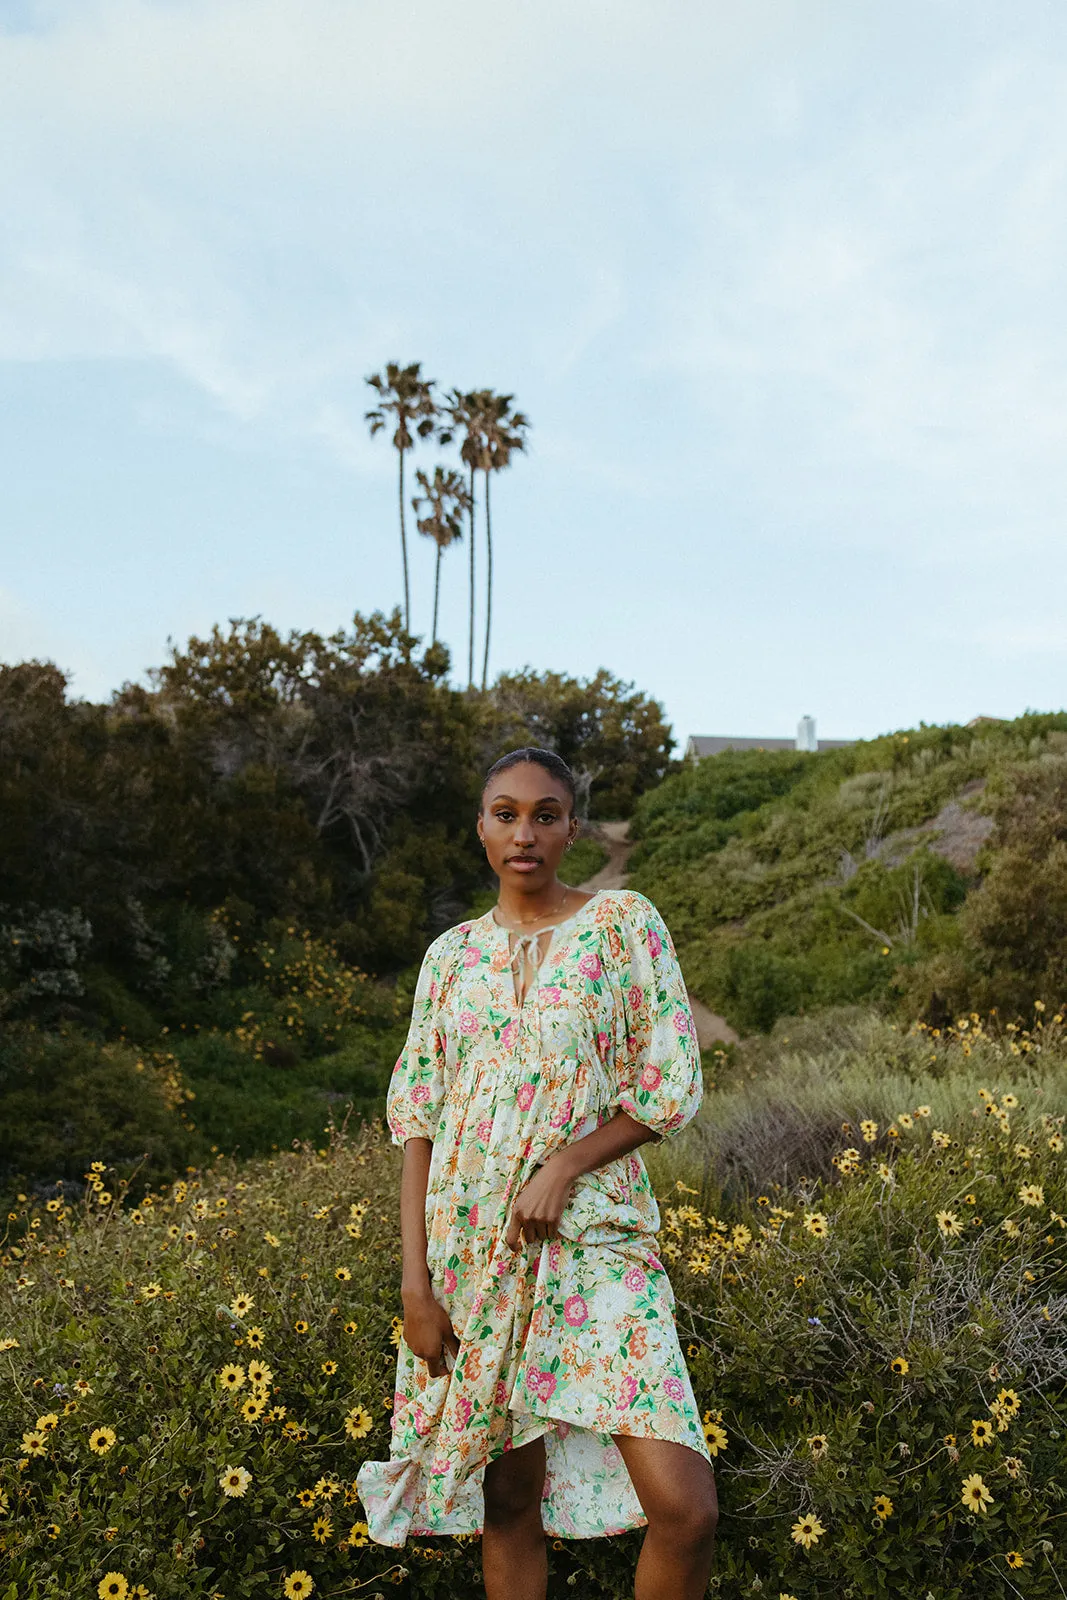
(470, 645)
(436, 593)
(404, 551)
(488, 581)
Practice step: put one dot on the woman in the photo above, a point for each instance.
(540, 1383)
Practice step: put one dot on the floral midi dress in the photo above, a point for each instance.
(572, 1337)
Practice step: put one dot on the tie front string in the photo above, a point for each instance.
(527, 955)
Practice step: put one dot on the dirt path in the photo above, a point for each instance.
(615, 837)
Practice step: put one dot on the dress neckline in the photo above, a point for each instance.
(548, 927)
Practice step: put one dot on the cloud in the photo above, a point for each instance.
(876, 330)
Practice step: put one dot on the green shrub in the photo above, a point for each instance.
(584, 859)
(67, 1099)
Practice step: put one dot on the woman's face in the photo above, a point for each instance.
(526, 824)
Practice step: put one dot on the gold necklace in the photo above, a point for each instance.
(524, 921)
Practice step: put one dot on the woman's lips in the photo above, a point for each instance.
(523, 863)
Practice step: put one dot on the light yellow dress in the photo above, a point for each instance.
(574, 1337)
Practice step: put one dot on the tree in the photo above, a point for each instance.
(464, 413)
(406, 398)
(615, 738)
(503, 432)
(447, 497)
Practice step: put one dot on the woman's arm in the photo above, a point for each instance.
(539, 1203)
(427, 1328)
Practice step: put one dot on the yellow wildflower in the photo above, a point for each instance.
(974, 1494)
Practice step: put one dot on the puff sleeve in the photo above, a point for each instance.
(658, 1059)
(416, 1094)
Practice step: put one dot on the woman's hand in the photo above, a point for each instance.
(428, 1330)
(539, 1203)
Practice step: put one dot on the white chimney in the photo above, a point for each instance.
(806, 739)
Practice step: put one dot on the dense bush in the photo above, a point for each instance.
(792, 882)
(879, 1343)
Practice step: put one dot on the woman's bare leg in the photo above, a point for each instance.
(676, 1488)
(514, 1557)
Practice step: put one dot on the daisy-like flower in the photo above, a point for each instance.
(799, 1279)
(949, 1224)
(359, 1534)
(883, 1506)
(151, 1291)
(300, 1326)
(272, 1239)
(1032, 1194)
(358, 1423)
(808, 1530)
(113, 1586)
(899, 1365)
(342, 1275)
(234, 1481)
(1009, 1402)
(327, 1486)
(922, 1111)
(1013, 1466)
(816, 1224)
(818, 1444)
(241, 1305)
(5, 1503)
(48, 1422)
(941, 1141)
(1009, 1100)
(259, 1372)
(974, 1494)
(1055, 1143)
(101, 1440)
(321, 1529)
(869, 1130)
(9, 1344)
(884, 1171)
(1010, 1227)
(1015, 1558)
(34, 1443)
(329, 1367)
(396, 1330)
(981, 1432)
(298, 1584)
(231, 1377)
(905, 1119)
(716, 1436)
(255, 1338)
(306, 1498)
(83, 1386)
(253, 1408)
(52, 1529)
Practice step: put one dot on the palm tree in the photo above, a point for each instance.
(446, 496)
(503, 432)
(464, 413)
(406, 397)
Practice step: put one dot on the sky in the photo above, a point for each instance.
(780, 286)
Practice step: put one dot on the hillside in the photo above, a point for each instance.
(924, 869)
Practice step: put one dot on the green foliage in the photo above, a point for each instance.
(792, 882)
(614, 738)
(853, 1301)
(583, 861)
(66, 1099)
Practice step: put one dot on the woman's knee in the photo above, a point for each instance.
(689, 1520)
(512, 1490)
